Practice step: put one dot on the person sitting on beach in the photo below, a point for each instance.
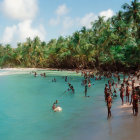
(109, 104)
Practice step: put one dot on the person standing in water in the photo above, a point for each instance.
(118, 79)
(66, 78)
(106, 92)
(110, 87)
(135, 104)
(85, 90)
(109, 104)
(127, 93)
(122, 93)
(35, 74)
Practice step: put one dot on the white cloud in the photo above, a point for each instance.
(107, 14)
(20, 9)
(21, 31)
(87, 19)
(63, 20)
(67, 22)
(62, 10)
(54, 21)
(24, 11)
(9, 34)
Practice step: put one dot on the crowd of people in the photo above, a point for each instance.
(128, 87)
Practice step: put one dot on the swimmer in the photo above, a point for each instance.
(54, 106)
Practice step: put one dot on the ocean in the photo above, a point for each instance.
(26, 109)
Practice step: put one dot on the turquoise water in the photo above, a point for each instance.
(26, 114)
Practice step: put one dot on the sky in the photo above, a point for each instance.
(50, 19)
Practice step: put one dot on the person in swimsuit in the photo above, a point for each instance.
(106, 92)
(118, 79)
(122, 93)
(66, 78)
(54, 106)
(135, 104)
(127, 93)
(109, 104)
(85, 90)
(35, 74)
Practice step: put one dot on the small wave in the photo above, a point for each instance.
(125, 106)
(13, 73)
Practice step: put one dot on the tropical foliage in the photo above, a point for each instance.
(112, 44)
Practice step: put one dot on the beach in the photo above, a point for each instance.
(25, 108)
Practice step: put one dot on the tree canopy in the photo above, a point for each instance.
(112, 44)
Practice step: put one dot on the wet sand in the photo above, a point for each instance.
(128, 124)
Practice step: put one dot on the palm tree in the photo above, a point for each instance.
(132, 14)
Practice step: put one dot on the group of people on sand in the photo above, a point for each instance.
(127, 88)
(109, 95)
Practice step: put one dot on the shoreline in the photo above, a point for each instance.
(13, 71)
(55, 69)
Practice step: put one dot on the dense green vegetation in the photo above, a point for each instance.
(112, 44)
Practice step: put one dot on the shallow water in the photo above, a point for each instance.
(26, 102)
